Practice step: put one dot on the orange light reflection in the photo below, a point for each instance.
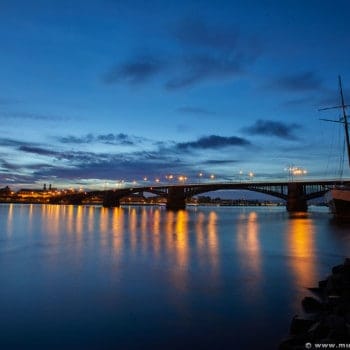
(301, 247)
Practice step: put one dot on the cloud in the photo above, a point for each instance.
(212, 52)
(102, 166)
(76, 140)
(219, 161)
(305, 81)
(273, 128)
(11, 142)
(203, 53)
(120, 139)
(39, 151)
(8, 167)
(213, 142)
(135, 71)
(58, 164)
(108, 139)
(197, 68)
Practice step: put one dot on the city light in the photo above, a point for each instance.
(295, 171)
(182, 178)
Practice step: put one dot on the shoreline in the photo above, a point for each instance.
(326, 318)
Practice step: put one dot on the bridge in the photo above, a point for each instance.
(296, 194)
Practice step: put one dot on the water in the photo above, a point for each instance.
(76, 277)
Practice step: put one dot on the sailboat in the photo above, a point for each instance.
(338, 197)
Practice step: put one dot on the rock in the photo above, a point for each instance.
(300, 325)
(311, 305)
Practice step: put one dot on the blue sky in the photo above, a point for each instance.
(96, 92)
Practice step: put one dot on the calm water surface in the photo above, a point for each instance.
(80, 277)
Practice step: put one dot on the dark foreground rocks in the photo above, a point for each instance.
(327, 313)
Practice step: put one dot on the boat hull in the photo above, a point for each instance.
(338, 200)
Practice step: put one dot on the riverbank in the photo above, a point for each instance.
(327, 314)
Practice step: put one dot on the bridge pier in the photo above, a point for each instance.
(110, 200)
(176, 199)
(296, 200)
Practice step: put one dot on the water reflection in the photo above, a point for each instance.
(10, 219)
(300, 237)
(249, 247)
(200, 270)
(213, 240)
(117, 229)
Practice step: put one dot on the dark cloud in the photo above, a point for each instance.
(66, 165)
(11, 142)
(212, 52)
(135, 71)
(197, 68)
(9, 167)
(205, 53)
(273, 128)
(194, 110)
(39, 151)
(76, 140)
(111, 139)
(115, 166)
(219, 162)
(305, 81)
(213, 142)
(120, 139)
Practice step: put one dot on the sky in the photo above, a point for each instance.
(106, 93)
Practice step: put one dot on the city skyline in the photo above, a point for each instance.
(103, 92)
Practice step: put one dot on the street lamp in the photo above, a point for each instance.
(240, 175)
(182, 178)
(200, 175)
(295, 171)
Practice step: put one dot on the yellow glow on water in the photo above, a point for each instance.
(118, 230)
(104, 220)
(10, 219)
(200, 239)
(250, 246)
(213, 239)
(301, 246)
(91, 219)
(79, 220)
(70, 218)
(181, 243)
(156, 221)
(133, 227)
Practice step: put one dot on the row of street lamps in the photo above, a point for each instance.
(293, 172)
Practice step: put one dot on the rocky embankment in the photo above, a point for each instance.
(327, 313)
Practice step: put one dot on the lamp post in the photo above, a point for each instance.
(200, 175)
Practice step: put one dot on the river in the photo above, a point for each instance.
(86, 277)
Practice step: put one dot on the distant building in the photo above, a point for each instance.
(4, 192)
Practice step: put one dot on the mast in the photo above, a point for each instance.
(345, 119)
